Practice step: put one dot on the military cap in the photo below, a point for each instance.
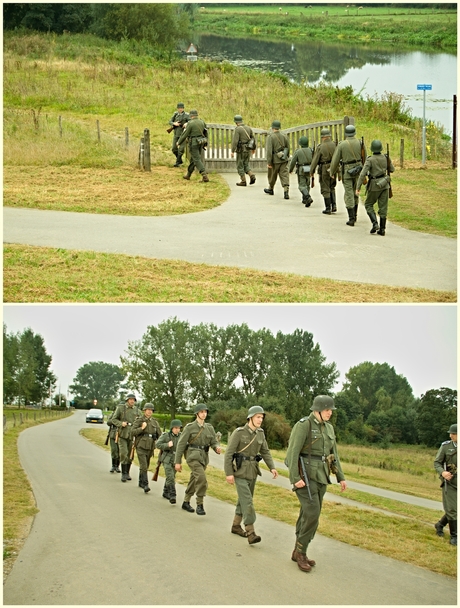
(453, 429)
(322, 402)
(176, 422)
(131, 396)
(303, 141)
(193, 112)
(276, 124)
(148, 406)
(180, 105)
(238, 118)
(198, 407)
(350, 130)
(255, 409)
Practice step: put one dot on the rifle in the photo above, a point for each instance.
(313, 176)
(363, 159)
(390, 191)
(304, 476)
(170, 129)
(131, 456)
(106, 442)
(157, 468)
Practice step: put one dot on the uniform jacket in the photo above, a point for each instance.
(323, 154)
(276, 142)
(195, 128)
(193, 436)
(302, 156)
(375, 167)
(447, 455)
(145, 438)
(239, 439)
(349, 152)
(241, 135)
(113, 428)
(128, 414)
(181, 117)
(168, 453)
(322, 443)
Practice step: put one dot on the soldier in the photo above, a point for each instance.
(242, 136)
(246, 447)
(146, 431)
(194, 443)
(311, 458)
(327, 182)
(194, 132)
(301, 162)
(377, 167)
(123, 419)
(349, 152)
(277, 152)
(167, 443)
(114, 451)
(177, 122)
(445, 464)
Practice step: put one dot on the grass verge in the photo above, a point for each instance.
(41, 274)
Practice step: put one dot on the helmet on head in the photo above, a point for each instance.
(325, 133)
(453, 429)
(131, 396)
(180, 105)
(148, 406)
(376, 145)
(303, 141)
(198, 407)
(238, 118)
(276, 124)
(350, 131)
(193, 113)
(255, 409)
(322, 402)
(176, 423)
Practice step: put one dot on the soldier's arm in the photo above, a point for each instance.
(232, 447)
(137, 427)
(266, 455)
(162, 442)
(335, 160)
(181, 445)
(439, 461)
(116, 418)
(296, 441)
(364, 171)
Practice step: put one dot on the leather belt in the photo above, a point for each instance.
(313, 457)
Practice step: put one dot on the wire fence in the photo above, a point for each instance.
(15, 419)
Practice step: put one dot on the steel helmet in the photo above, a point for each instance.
(176, 422)
(322, 402)
(376, 145)
(198, 407)
(238, 118)
(255, 409)
(193, 113)
(131, 396)
(276, 124)
(453, 429)
(350, 131)
(325, 133)
(303, 141)
(148, 406)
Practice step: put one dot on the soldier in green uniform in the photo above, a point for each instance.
(114, 451)
(445, 464)
(378, 186)
(301, 162)
(311, 457)
(246, 447)
(327, 182)
(241, 136)
(146, 431)
(348, 152)
(123, 419)
(195, 441)
(178, 121)
(194, 132)
(167, 443)
(277, 152)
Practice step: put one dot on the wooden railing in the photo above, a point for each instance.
(217, 154)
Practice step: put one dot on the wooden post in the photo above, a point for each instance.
(14, 419)
(60, 126)
(401, 154)
(147, 150)
(454, 135)
(126, 137)
(141, 154)
(98, 131)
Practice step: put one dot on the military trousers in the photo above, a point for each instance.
(350, 196)
(449, 501)
(303, 181)
(144, 457)
(170, 473)
(195, 158)
(281, 170)
(245, 505)
(114, 451)
(180, 149)
(381, 198)
(326, 182)
(125, 445)
(310, 510)
(198, 483)
(242, 162)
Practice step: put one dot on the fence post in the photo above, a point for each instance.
(21, 420)
(4, 423)
(454, 135)
(60, 126)
(141, 154)
(401, 154)
(14, 419)
(147, 166)
(98, 131)
(126, 137)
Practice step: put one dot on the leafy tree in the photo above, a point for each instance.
(435, 412)
(48, 17)
(97, 380)
(10, 357)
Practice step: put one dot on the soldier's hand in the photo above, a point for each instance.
(144, 424)
(357, 192)
(269, 166)
(230, 479)
(231, 154)
(274, 472)
(447, 475)
(178, 468)
(300, 484)
(124, 423)
(343, 485)
(218, 450)
(170, 444)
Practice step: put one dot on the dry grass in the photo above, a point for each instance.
(40, 274)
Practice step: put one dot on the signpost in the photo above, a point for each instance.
(424, 88)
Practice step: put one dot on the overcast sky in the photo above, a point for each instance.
(419, 341)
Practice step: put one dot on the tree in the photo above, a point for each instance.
(10, 356)
(97, 380)
(435, 412)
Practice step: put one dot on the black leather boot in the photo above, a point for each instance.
(286, 194)
(114, 466)
(351, 216)
(439, 525)
(172, 495)
(333, 204)
(383, 224)
(327, 210)
(453, 531)
(269, 191)
(179, 160)
(200, 510)
(124, 473)
(117, 466)
(128, 466)
(187, 507)
(146, 482)
(356, 213)
(375, 224)
(166, 492)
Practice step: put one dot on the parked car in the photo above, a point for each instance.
(95, 415)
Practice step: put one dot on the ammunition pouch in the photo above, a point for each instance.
(355, 170)
(305, 168)
(237, 461)
(251, 144)
(282, 154)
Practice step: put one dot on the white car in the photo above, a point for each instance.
(95, 415)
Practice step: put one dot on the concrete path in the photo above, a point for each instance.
(100, 542)
(255, 230)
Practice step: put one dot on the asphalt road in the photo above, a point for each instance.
(254, 230)
(100, 542)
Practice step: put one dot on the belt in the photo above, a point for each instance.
(377, 176)
(326, 162)
(198, 447)
(249, 458)
(313, 457)
(149, 435)
(351, 162)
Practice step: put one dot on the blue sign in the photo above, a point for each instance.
(424, 87)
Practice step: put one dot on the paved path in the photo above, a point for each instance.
(97, 541)
(254, 230)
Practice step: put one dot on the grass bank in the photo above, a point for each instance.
(40, 274)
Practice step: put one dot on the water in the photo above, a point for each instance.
(369, 70)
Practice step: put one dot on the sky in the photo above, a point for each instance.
(419, 341)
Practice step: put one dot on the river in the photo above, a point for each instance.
(370, 70)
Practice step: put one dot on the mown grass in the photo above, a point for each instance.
(410, 539)
(41, 274)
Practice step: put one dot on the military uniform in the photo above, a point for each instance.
(301, 158)
(446, 460)
(241, 136)
(182, 118)
(125, 413)
(195, 129)
(114, 451)
(277, 153)
(327, 182)
(167, 458)
(144, 442)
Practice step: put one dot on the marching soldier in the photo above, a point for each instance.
(277, 152)
(445, 464)
(194, 443)
(247, 446)
(167, 443)
(123, 419)
(311, 457)
(301, 162)
(327, 182)
(241, 140)
(177, 122)
(114, 451)
(195, 132)
(146, 431)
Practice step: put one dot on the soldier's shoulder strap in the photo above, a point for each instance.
(303, 419)
(446, 442)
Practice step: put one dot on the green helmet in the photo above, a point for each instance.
(350, 131)
(376, 145)
(198, 407)
(453, 429)
(276, 124)
(148, 406)
(303, 141)
(322, 402)
(131, 396)
(255, 409)
(180, 105)
(193, 113)
(238, 118)
(325, 133)
(176, 422)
